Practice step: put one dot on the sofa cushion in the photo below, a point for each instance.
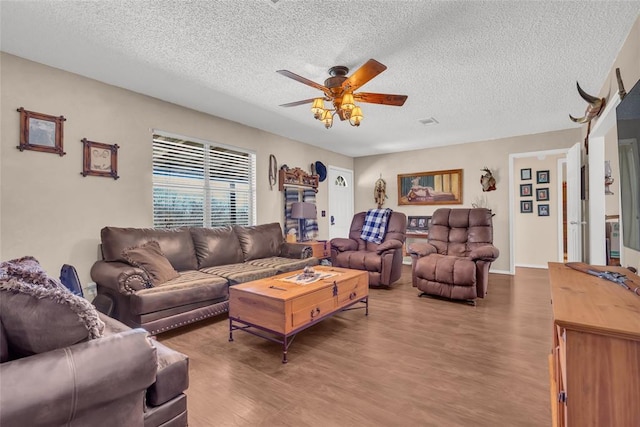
(241, 273)
(150, 258)
(189, 288)
(39, 314)
(216, 246)
(176, 244)
(260, 241)
(172, 377)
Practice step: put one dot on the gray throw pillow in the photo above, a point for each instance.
(39, 314)
(150, 258)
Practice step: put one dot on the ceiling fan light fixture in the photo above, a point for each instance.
(356, 116)
(347, 102)
(327, 118)
(317, 108)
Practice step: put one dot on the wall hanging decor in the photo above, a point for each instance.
(487, 180)
(526, 206)
(40, 132)
(543, 210)
(542, 194)
(99, 159)
(542, 177)
(525, 174)
(526, 190)
(430, 188)
(380, 192)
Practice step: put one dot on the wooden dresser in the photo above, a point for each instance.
(595, 360)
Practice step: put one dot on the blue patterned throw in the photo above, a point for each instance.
(375, 225)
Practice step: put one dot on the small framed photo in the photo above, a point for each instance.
(543, 210)
(525, 174)
(542, 177)
(542, 194)
(418, 224)
(526, 190)
(40, 132)
(526, 206)
(99, 159)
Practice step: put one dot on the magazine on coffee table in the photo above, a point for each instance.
(307, 278)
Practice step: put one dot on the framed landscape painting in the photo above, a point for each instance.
(430, 188)
(40, 132)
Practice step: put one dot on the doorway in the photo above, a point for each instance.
(340, 201)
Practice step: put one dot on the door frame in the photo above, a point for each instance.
(512, 197)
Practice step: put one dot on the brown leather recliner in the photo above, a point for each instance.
(455, 262)
(383, 261)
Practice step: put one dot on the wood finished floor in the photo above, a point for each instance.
(412, 362)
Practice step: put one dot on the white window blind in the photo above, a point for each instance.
(201, 184)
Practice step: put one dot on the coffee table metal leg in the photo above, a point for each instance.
(366, 303)
(284, 349)
(230, 330)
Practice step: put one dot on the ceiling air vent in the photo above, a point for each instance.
(273, 3)
(428, 122)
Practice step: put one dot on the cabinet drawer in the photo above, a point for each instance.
(352, 290)
(308, 314)
(312, 298)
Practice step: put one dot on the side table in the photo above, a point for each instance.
(320, 248)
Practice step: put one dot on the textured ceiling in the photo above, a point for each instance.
(483, 70)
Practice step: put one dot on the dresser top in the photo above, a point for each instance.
(591, 304)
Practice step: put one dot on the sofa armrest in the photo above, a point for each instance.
(290, 250)
(421, 249)
(120, 277)
(485, 253)
(58, 386)
(341, 244)
(389, 245)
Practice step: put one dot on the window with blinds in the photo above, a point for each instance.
(201, 184)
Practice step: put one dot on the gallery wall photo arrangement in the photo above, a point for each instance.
(99, 159)
(430, 188)
(542, 177)
(41, 132)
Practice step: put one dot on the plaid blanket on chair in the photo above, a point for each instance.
(375, 225)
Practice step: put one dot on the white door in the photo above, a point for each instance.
(340, 201)
(574, 214)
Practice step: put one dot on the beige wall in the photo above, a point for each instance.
(48, 210)
(628, 60)
(536, 237)
(469, 157)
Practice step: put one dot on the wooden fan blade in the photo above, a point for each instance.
(380, 98)
(363, 74)
(303, 80)
(294, 104)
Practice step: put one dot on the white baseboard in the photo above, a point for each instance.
(500, 272)
(544, 267)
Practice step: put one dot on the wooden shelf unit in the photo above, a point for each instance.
(296, 177)
(595, 360)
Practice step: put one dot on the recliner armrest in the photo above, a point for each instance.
(421, 249)
(120, 277)
(51, 388)
(341, 244)
(485, 253)
(389, 245)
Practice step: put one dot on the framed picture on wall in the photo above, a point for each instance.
(526, 206)
(543, 210)
(542, 194)
(99, 159)
(526, 190)
(40, 132)
(542, 177)
(418, 224)
(525, 174)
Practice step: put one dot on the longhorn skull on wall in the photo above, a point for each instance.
(593, 109)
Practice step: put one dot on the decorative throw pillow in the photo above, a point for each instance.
(39, 314)
(150, 258)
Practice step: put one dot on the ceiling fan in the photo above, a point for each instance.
(339, 90)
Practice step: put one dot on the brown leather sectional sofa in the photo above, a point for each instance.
(63, 363)
(207, 260)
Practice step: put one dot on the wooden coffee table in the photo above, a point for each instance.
(277, 308)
